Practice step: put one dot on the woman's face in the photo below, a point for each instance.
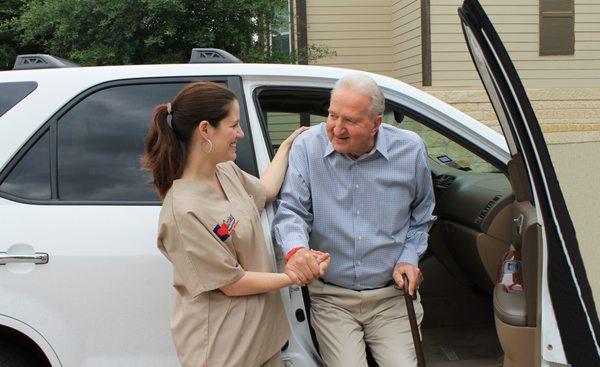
(226, 135)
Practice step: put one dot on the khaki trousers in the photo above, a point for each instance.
(344, 320)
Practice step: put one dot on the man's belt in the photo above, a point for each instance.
(389, 283)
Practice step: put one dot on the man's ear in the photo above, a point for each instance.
(376, 124)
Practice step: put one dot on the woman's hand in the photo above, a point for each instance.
(290, 139)
(273, 176)
(306, 265)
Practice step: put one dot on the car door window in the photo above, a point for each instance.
(283, 110)
(440, 148)
(92, 147)
(100, 142)
(30, 177)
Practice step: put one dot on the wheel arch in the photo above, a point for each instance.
(29, 336)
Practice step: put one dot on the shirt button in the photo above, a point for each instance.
(358, 263)
(357, 212)
(356, 186)
(357, 285)
(359, 238)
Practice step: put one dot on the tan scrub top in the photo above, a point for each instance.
(211, 241)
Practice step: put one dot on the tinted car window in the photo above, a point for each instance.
(441, 148)
(101, 139)
(30, 178)
(12, 93)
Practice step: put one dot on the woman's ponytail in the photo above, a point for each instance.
(165, 152)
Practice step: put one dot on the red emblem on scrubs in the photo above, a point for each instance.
(224, 229)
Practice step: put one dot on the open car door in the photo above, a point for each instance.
(560, 317)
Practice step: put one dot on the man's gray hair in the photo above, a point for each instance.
(362, 83)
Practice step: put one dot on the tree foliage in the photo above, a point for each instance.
(112, 32)
(9, 11)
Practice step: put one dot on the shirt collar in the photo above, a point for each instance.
(381, 144)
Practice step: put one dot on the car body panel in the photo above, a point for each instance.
(34, 335)
(76, 300)
(132, 235)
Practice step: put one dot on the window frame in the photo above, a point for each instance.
(33, 140)
(261, 117)
(389, 104)
(245, 147)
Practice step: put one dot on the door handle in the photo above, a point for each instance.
(519, 224)
(37, 258)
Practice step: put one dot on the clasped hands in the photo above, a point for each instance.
(306, 265)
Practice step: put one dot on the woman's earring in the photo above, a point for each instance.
(210, 146)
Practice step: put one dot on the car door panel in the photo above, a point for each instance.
(564, 279)
(102, 295)
(106, 291)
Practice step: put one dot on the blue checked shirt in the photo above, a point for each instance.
(369, 213)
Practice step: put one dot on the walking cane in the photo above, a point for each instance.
(414, 327)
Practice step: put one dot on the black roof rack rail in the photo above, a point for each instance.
(41, 61)
(212, 55)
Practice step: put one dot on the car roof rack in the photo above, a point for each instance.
(44, 61)
(41, 61)
(212, 55)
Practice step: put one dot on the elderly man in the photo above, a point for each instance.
(361, 191)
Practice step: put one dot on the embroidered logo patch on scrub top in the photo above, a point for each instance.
(224, 229)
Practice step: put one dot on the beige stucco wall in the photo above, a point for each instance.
(517, 23)
(406, 41)
(358, 31)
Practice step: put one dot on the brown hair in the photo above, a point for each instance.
(167, 146)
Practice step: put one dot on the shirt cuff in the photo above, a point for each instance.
(292, 243)
(409, 256)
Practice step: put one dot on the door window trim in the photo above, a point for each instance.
(232, 82)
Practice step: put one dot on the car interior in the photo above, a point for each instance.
(480, 291)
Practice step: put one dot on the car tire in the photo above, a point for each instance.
(18, 355)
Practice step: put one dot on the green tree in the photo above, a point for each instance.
(112, 32)
(9, 11)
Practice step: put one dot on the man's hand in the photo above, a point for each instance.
(306, 265)
(413, 274)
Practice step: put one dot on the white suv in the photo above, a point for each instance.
(83, 284)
